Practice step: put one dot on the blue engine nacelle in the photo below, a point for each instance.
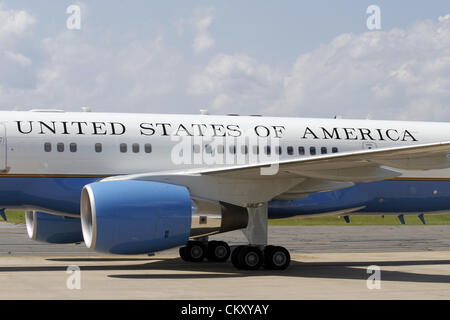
(134, 217)
(53, 229)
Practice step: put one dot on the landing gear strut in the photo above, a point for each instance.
(251, 257)
(258, 253)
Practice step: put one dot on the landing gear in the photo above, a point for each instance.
(197, 251)
(258, 253)
(247, 258)
(253, 258)
(276, 258)
(218, 251)
(242, 257)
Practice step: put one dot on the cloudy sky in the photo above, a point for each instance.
(281, 58)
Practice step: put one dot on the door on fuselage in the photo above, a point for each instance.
(2, 148)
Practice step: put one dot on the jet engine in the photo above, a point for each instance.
(135, 217)
(50, 228)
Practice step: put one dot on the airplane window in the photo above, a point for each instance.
(208, 149)
(232, 149)
(290, 150)
(255, 149)
(60, 147)
(312, 151)
(123, 147)
(323, 150)
(220, 149)
(278, 150)
(98, 147)
(196, 148)
(244, 149)
(135, 147)
(334, 150)
(267, 150)
(73, 147)
(148, 148)
(47, 147)
(301, 151)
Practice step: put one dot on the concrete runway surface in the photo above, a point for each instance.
(329, 262)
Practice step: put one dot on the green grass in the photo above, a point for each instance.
(15, 216)
(361, 220)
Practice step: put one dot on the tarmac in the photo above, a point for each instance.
(328, 262)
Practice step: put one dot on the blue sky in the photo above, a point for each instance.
(274, 30)
(297, 58)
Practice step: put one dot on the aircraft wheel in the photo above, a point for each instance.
(195, 251)
(250, 258)
(183, 253)
(218, 251)
(276, 258)
(234, 255)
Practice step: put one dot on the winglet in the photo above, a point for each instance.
(402, 219)
(3, 215)
(347, 219)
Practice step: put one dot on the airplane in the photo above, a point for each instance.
(127, 183)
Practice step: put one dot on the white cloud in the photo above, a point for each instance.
(446, 17)
(13, 23)
(201, 21)
(203, 42)
(76, 73)
(18, 58)
(237, 83)
(400, 74)
(15, 65)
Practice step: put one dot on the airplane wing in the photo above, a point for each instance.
(246, 185)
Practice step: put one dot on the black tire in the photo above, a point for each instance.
(195, 251)
(218, 251)
(234, 255)
(250, 258)
(276, 258)
(183, 254)
(267, 253)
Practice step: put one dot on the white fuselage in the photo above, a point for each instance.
(64, 143)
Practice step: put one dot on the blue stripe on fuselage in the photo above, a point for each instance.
(62, 194)
(400, 196)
